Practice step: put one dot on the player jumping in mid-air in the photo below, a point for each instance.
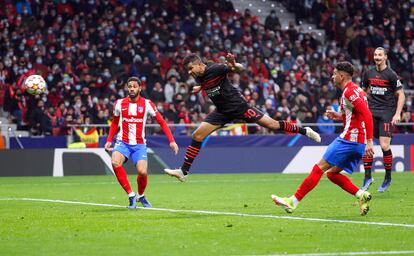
(345, 152)
(230, 105)
(382, 85)
(130, 114)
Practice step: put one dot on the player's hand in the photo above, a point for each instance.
(174, 147)
(332, 114)
(231, 59)
(196, 89)
(396, 119)
(108, 146)
(369, 148)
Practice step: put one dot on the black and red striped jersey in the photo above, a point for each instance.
(382, 86)
(217, 86)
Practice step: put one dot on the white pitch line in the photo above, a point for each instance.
(155, 182)
(217, 213)
(346, 253)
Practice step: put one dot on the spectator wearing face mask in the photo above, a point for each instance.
(323, 122)
(272, 21)
(36, 118)
(49, 123)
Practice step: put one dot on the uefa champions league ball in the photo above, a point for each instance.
(35, 85)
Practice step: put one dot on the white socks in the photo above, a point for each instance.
(359, 193)
(294, 200)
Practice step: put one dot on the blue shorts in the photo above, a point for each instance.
(136, 152)
(344, 154)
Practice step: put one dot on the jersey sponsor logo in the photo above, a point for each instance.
(399, 84)
(378, 90)
(213, 91)
(133, 120)
(124, 109)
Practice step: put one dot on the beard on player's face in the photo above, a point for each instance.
(379, 59)
(133, 94)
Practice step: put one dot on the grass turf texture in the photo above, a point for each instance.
(45, 228)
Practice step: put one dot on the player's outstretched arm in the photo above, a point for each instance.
(233, 65)
(333, 115)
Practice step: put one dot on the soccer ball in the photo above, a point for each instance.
(35, 85)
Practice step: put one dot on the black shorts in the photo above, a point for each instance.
(382, 124)
(251, 115)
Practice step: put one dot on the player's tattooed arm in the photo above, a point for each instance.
(233, 65)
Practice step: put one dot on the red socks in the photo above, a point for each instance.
(121, 175)
(309, 183)
(122, 178)
(142, 183)
(343, 181)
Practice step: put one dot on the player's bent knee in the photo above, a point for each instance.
(142, 173)
(197, 137)
(330, 175)
(385, 147)
(116, 163)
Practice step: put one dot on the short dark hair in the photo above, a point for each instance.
(382, 49)
(134, 79)
(190, 59)
(346, 67)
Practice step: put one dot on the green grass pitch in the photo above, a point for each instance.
(60, 228)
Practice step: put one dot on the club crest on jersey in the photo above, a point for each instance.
(140, 109)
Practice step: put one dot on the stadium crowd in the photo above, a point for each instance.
(86, 50)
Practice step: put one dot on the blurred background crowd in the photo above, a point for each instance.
(86, 50)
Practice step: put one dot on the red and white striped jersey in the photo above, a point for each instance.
(356, 116)
(133, 117)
